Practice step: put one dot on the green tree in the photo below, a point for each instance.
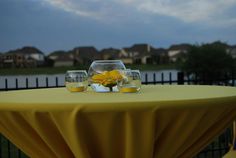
(208, 62)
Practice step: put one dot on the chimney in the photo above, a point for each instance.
(148, 48)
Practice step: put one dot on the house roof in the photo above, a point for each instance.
(25, 50)
(57, 53)
(158, 51)
(113, 52)
(141, 48)
(127, 49)
(86, 52)
(180, 47)
(110, 50)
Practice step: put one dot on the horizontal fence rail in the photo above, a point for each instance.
(214, 150)
(147, 78)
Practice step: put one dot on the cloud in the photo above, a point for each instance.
(75, 7)
(192, 11)
(212, 12)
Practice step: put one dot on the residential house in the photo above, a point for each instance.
(33, 55)
(232, 51)
(85, 55)
(175, 51)
(119, 54)
(138, 53)
(24, 57)
(61, 58)
(159, 56)
(125, 57)
(54, 55)
(13, 60)
(64, 60)
(110, 53)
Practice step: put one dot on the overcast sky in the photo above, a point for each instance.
(64, 24)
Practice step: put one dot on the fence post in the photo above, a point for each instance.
(212, 150)
(47, 82)
(146, 78)
(154, 78)
(180, 78)
(56, 81)
(0, 145)
(170, 78)
(8, 148)
(6, 84)
(162, 78)
(37, 82)
(19, 153)
(27, 83)
(16, 83)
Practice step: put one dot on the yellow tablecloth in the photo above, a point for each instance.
(159, 122)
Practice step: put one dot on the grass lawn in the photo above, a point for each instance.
(58, 70)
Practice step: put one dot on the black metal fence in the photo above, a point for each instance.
(214, 150)
(9, 150)
(182, 78)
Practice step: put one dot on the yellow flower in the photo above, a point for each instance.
(116, 75)
(107, 78)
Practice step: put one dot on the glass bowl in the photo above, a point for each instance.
(131, 82)
(76, 80)
(104, 75)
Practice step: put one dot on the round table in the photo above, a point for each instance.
(171, 121)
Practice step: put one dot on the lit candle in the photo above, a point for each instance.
(129, 89)
(76, 89)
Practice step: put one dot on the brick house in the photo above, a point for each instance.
(24, 57)
(85, 55)
(110, 53)
(159, 56)
(138, 53)
(61, 58)
(175, 51)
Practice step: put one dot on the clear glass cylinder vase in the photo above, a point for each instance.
(104, 75)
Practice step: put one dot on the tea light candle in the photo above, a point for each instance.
(77, 89)
(129, 89)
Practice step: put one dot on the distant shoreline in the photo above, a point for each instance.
(61, 70)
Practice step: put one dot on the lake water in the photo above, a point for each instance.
(61, 79)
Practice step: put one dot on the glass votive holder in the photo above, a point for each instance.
(131, 82)
(76, 80)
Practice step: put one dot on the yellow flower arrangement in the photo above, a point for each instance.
(108, 78)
